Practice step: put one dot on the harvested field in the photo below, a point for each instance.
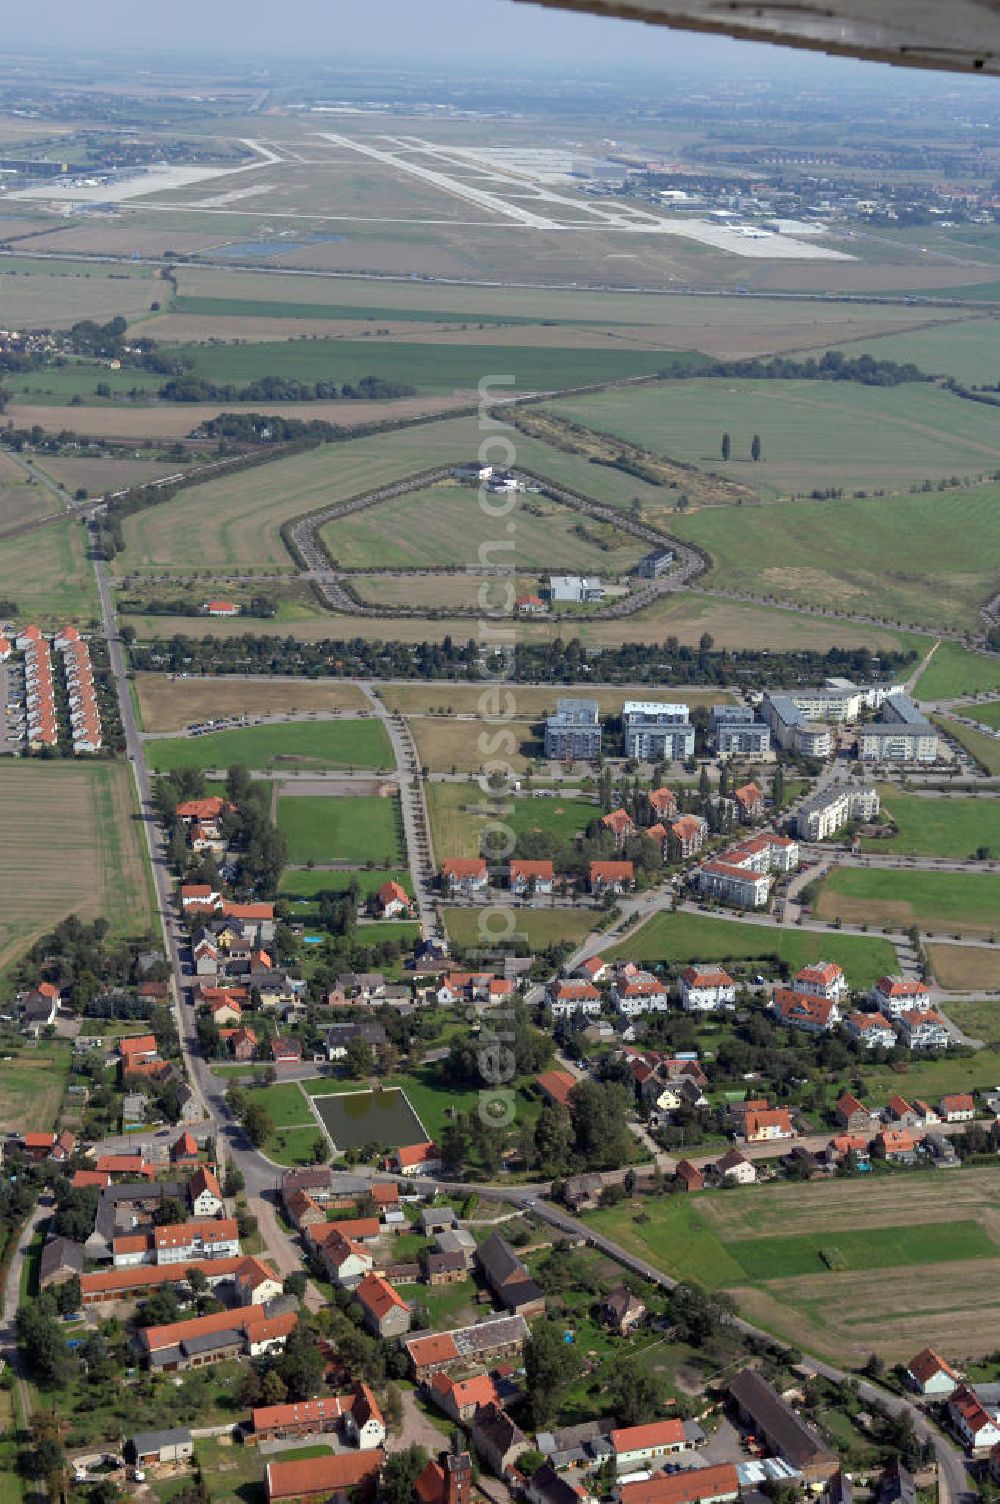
(884, 1222)
(169, 704)
(71, 835)
(49, 576)
(100, 475)
(965, 968)
(21, 503)
(55, 294)
(938, 903)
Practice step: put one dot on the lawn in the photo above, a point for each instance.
(538, 927)
(32, 1086)
(958, 902)
(167, 703)
(677, 939)
(814, 434)
(980, 745)
(355, 830)
(844, 554)
(937, 826)
(453, 746)
(761, 1243)
(978, 1020)
(446, 1305)
(988, 713)
(457, 824)
(954, 671)
(301, 745)
(301, 885)
(446, 525)
(71, 834)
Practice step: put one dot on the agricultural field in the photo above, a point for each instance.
(959, 903)
(100, 475)
(21, 499)
(170, 704)
(966, 350)
(764, 1245)
(32, 1086)
(444, 525)
(47, 574)
(304, 746)
(955, 671)
(814, 434)
(71, 835)
(538, 927)
(949, 826)
(459, 813)
(965, 968)
(55, 294)
(844, 555)
(346, 829)
(980, 745)
(678, 939)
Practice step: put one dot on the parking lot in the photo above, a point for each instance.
(13, 722)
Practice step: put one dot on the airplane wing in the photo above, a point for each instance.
(960, 35)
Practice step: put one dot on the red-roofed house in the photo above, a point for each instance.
(392, 899)
(221, 608)
(766, 1123)
(896, 1143)
(593, 969)
(464, 874)
(416, 1159)
(184, 1150)
(750, 802)
(461, 1398)
(556, 1086)
(662, 805)
(893, 995)
(971, 1421)
(340, 1475)
(824, 979)
(636, 1446)
(569, 998)
(852, 1114)
(531, 876)
(611, 877)
(385, 1313)
(929, 1374)
(137, 1050)
(814, 1014)
(871, 1029)
(620, 824)
(959, 1108)
(689, 1177)
(687, 836)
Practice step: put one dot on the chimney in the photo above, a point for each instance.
(457, 1478)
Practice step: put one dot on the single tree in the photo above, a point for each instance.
(725, 446)
(755, 448)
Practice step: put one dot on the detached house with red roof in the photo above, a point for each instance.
(816, 1015)
(929, 1374)
(386, 1314)
(464, 875)
(530, 876)
(705, 989)
(975, 1426)
(852, 1114)
(894, 995)
(959, 1108)
(764, 1123)
(556, 1087)
(392, 899)
(416, 1159)
(822, 979)
(611, 877)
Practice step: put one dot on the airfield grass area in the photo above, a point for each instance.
(980, 745)
(763, 1244)
(538, 927)
(960, 903)
(814, 434)
(680, 939)
(445, 525)
(167, 703)
(948, 825)
(47, 574)
(955, 671)
(71, 835)
(302, 745)
(341, 829)
(845, 554)
(459, 813)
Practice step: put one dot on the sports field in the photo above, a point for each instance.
(937, 826)
(445, 525)
(537, 927)
(167, 703)
(845, 554)
(48, 575)
(764, 1244)
(342, 829)
(297, 746)
(459, 814)
(941, 903)
(814, 434)
(955, 671)
(678, 939)
(71, 844)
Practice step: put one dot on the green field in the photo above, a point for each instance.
(959, 902)
(949, 826)
(302, 885)
(427, 367)
(814, 434)
(32, 1086)
(763, 1243)
(955, 671)
(341, 829)
(445, 525)
(868, 1248)
(988, 714)
(539, 927)
(48, 576)
(457, 826)
(979, 744)
(967, 351)
(293, 747)
(845, 555)
(677, 939)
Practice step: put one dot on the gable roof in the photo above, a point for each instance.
(927, 1364)
(377, 1296)
(659, 1433)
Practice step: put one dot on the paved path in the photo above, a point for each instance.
(413, 806)
(12, 1297)
(282, 1252)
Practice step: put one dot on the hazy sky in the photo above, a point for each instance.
(424, 32)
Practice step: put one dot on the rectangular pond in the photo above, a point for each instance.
(354, 1119)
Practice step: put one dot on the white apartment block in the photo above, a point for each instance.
(657, 731)
(829, 811)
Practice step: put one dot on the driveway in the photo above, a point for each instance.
(280, 1249)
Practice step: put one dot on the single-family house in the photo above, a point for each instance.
(392, 899)
(976, 1428)
(930, 1375)
(385, 1313)
(204, 1193)
(460, 1398)
(688, 1176)
(416, 1159)
(736, 1167)
(465, 876)
(852, 1114)
(621, 1310)
(958, 1108)
(610, 877)
(764, 1123)
(496, 1439)
(530, 876)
